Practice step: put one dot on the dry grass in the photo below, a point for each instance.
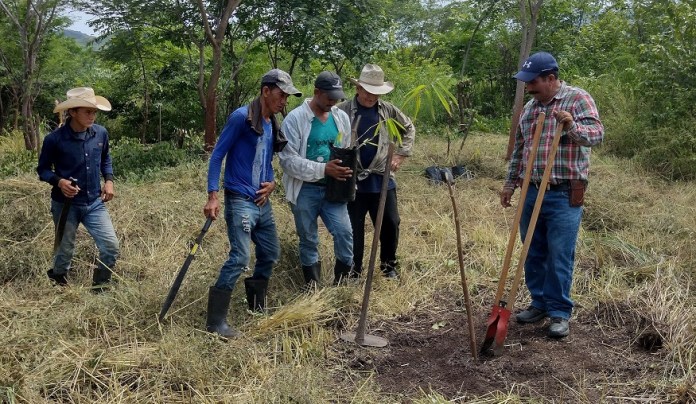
(635, 253)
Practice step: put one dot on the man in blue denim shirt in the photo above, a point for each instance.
(249, 139)
(79, 150)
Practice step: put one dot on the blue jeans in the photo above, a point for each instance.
(549, 266)
(97, 221)
(311, 205)
(247, 222)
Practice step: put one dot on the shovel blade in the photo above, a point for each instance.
(496, 331)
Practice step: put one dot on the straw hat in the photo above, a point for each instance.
(83, 97)
(372, 80)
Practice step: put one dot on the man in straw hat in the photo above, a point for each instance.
(79, 151)
(374, 139)
(311, 129)
(248, 141)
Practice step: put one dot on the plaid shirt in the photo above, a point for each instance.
(573, 156)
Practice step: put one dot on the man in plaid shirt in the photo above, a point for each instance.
(549, 264)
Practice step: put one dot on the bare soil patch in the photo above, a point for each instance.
(429, 351)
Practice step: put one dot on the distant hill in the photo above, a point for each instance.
(79, 37)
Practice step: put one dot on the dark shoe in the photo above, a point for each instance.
(341, 271)
(559, 327)
(312, 275)
(218, 305)
(531, 315)
(389, 269)
(59, 279)
(256, 293)
(101, 280)
(355, 272)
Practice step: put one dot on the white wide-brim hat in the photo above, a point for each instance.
(83, 97)
(372, 80)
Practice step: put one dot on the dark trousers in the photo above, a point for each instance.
(389, 236)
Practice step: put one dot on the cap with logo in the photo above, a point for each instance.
(282, 80)
(538, 63)
(330, 83)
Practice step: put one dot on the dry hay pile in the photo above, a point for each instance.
(634, 266)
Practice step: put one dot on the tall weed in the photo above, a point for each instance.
(15, 159)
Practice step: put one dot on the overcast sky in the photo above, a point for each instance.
(79, 22)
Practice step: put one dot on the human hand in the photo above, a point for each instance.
(334, 169)
(264, 193)
(506, 197)
(107, 191)
(564, 118)
(396, 162)
(66, 187)
(212, 207)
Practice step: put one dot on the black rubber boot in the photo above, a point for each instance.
(341, 272)
(355, 272)
(218, 305)
(101, 278)
(312, 275)
(256, 293)
(389, 269)
(59, 279)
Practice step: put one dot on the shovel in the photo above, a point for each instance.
(500, 315)
(182, 272)
(448, 179)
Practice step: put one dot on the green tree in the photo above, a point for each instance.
(32, 22)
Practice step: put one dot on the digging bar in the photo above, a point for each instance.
(499, 304)
(182, 272)
(359, 336)
(447, 178)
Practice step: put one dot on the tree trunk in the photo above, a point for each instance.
(32, 23)
(528, 19)
(208, 91)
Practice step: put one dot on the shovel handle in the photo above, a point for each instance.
(535, 214)
(520, 206)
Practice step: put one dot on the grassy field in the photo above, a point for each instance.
(635, 253)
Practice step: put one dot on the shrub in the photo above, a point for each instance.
(133, 160)
(14, 158)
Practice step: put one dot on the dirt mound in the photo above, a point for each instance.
(429, 351)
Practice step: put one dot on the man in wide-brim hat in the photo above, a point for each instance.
(374, 139)
(74, 158)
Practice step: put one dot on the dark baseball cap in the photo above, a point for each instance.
(330, 83)
(282, 80)
(538, 63)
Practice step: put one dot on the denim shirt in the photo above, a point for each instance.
(66, 154)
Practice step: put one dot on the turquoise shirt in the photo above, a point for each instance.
(321, 136)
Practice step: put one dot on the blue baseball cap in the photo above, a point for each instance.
(536, 64)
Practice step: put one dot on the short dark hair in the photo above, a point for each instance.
(270, 86)
(549, 72)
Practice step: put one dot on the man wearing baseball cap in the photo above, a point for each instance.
(74, 158)
(311, 128)
(248, 141)
(549, 265)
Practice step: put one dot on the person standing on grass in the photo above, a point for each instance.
(79, 151)
(549, 265)
(248, 141)
(311, 128)
(374, 139)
